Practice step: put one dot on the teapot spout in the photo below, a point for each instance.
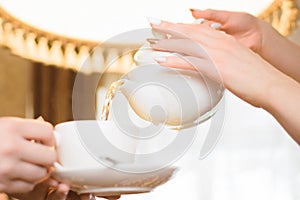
(127, 87)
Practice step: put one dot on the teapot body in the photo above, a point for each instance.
(175, 97)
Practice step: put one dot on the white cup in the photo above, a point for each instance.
(93, 144)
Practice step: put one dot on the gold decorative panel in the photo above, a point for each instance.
(52, 49)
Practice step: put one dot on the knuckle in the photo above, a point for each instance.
(229, 40)
(6, 169)
(10, 148)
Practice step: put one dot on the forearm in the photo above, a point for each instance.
(280, 52)
(282, 100)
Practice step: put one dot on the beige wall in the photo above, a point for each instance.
(14, 84)
(16, 79)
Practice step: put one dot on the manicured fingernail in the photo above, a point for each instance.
(215, 25)
(199, 21)
(160, 59)
(152, 40)
(194, 9)
(154, 21)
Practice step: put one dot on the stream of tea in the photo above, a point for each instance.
(150, 181)
(110, 94)
(108, 99)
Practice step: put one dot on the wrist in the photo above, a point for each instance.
(269, 37)
(279, 92)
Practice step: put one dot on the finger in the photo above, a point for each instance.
(211, 15)
(181, 30)
(207, 23)
(174, 62)
(38, 154)
(201, 65)
(19, 186)
(29, 172)
(168, 28)
(205, 66)
(63, 188)
(211, 24)
(37, 130)
(182, 46)
(52, 182)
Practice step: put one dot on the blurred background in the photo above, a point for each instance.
(45, 45)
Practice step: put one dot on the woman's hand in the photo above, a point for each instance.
(225, 59)
(219, 56)
(246, 28)
(258, 35)
(24, 162)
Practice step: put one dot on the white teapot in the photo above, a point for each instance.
(174, 97)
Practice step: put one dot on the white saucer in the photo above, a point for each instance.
(104, 181)
(115, 191)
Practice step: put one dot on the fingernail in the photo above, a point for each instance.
(215, 25)
(199, 21)
(154, 21)
(152, 40)
(194, 9)
(160, 59)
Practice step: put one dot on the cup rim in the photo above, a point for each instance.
(75, 121)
